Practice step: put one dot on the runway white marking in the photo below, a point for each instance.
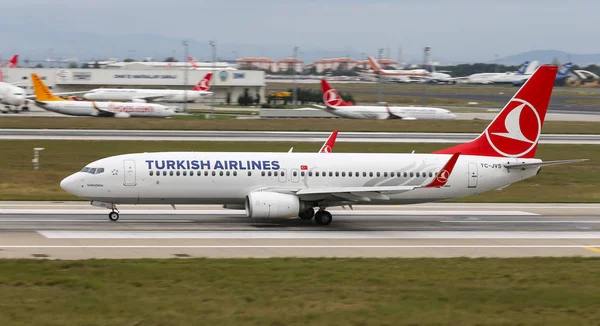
(281, 234)
(223, 212)
(513, 221)
(306, 246)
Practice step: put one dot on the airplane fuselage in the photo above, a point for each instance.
(227, 178)
(162, 95)
(86, 108)
(12, 95)
(391, 112)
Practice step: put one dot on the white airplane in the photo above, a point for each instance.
(287, 185)
(487, 78)
(12, 97)
(336, 105)
(517, 77)
(401, 76)
(46, 100)
(149, 95)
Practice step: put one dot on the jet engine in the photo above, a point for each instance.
(272, 205)
(122, 115)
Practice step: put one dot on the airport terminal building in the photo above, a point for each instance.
(225, 83)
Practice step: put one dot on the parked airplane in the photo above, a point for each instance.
(511, 78)
(489, 77)
(11, 96)
(563, 73)
(196, 66)
(150, 95)
(45, 99)
(336, 105)
(285, 185)
(402, 76)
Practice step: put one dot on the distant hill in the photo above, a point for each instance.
(546, 56)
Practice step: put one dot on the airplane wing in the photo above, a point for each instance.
(366, 194)
(540, 164)
(151, 98)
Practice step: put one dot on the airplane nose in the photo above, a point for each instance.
(69, 184)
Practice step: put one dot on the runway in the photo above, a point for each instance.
(75, 230)
(284, 136)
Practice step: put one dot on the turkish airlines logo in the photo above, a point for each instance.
(326, 149)
(203, 85)
(516, 131)
(332, 98)
(443, 176)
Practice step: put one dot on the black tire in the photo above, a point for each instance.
(323, 218)
(307, 214)
(113, 216)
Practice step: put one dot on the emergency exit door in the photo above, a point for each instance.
(473, 175)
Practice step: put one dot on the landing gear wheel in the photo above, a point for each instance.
(307, 214)
(323, 218)
(113, 216)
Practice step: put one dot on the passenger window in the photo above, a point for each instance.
(178, 173)
(392, 174)
(364, 174)
(199, 173)
(221, 173)
(370, 174)
(275, 173)
(385, 174)
(269, 173)
(405, 174)
(330, 174)
(92, 171)
(310, 174)
(282, 173)
(214, 173)
(191, 173)
(249, 173)
(184, 173)
(337, 174)
(151, 173)
(227, 173)
(171, 173)
(302, 173)
(316, 174)
(164, 173)
(411, 174)
(430, 174)
(378, 174)
(235, 173)
(262, 173)
(417, 174)
(206, 173)
(295, 173)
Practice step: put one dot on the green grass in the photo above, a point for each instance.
(532, 291)
(198, 123)
(578, 182)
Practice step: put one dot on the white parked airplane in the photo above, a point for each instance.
(45, 99)
(12, 97)
(487, 78)
(286, 185)
(150, 95)
(336, 105)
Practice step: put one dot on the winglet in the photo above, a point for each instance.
(42, 93)
(328, 146)
(443, 176)
(204, 84)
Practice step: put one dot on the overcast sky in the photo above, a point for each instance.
(468, 29)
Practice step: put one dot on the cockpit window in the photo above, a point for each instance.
(85, 169)
(92, 171)
(99, 170)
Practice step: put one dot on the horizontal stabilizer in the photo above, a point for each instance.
(540, 164)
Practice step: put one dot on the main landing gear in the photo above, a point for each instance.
(113, 216)
(322, 217)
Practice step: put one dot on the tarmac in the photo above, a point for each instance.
(75, 230)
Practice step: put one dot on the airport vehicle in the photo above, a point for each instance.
(150, 95)
(336, 105)
(11, 96)
(287, 185)
(46, 100)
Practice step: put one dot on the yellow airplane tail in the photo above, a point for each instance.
(42, 93)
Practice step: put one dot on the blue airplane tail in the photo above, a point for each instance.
(564, 70)
(523, 67)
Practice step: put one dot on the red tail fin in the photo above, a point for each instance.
(12, 63)
(374, 65)
(442, 177)
(516, 130)
(193, 62)
(331, 98)
(204, 84)
(328, 146)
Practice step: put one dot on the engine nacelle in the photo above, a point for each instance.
(122, 115)
(272, 205)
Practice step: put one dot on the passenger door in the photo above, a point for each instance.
(129, 173)
(473, 175)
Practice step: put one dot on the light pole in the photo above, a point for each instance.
(425, 64)
(379, 96)
(185, 75)
(295, 93)
(213, 44)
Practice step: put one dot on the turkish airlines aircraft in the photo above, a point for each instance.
(12, 97)
(336, 105)
(45, 99)
(150, 95)
(286, 185)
